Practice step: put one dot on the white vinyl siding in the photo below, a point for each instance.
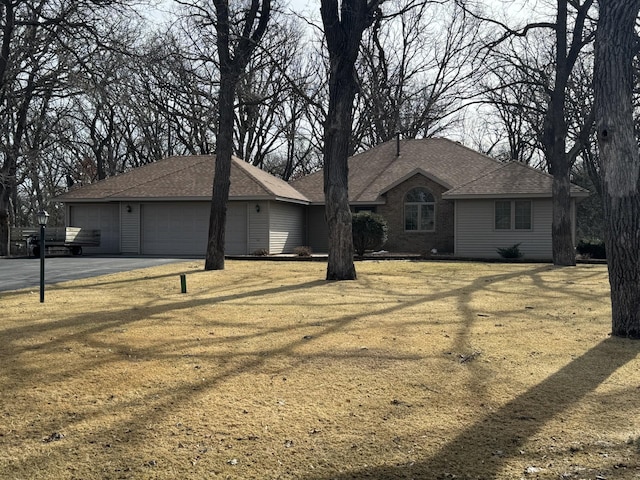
(130, 228)
(286, 227)
(98, 216)
(476, 235)
(258, 227)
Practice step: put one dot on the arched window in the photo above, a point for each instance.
(419, 210)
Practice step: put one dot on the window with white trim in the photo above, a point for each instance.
(419, 210)
(512, 215)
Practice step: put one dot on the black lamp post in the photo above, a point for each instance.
(43, 218)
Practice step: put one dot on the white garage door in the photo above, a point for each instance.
(182, 229)
(103, 217)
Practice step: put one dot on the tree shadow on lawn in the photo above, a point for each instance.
(483, 449)
(52, 286)
(476, 443)
(546, 293)
(105, 321)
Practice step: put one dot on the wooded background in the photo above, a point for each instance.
(90, 89)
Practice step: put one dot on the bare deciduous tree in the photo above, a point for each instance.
(415, 70)
(343, 26)
(238, 34)
(264, 92)
(514, 97)
(33, 35)
(554, 136)
(572, 30)
(615, 51)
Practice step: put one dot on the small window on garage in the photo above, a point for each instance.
(419, 210)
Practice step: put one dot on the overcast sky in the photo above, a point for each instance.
(159, 11)
(304, 5)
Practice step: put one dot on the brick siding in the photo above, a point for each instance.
(403, 241)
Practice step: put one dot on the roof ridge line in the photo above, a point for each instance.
(243, 164)
(273, 185)
(379, 175)
(477, 152)
(500, 166)
(526, 165)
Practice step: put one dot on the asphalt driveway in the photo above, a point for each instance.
(17, 273)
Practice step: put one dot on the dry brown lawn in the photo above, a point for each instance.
(416, 370)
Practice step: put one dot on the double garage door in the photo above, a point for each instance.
(171, 229)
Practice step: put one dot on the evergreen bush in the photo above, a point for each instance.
(591, 249)
(510, 252)
(369, 232)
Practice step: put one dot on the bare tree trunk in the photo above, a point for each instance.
(7, 9)
(613, 88)
(233, 62)
(221, 183)
(7, 190)
(336, 174)
(343, 32)
(555, 144)
(562, 226)
(4, 221)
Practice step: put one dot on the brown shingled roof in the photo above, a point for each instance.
(508, 180)
(185, 178)
(465, 172)
(375, 171)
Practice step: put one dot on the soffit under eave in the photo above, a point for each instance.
(488, 196)
(351, 203)
(491, 196)
(246, 198)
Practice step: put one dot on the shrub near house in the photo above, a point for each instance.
(369, 232)
(510, 252)
(592, 249)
